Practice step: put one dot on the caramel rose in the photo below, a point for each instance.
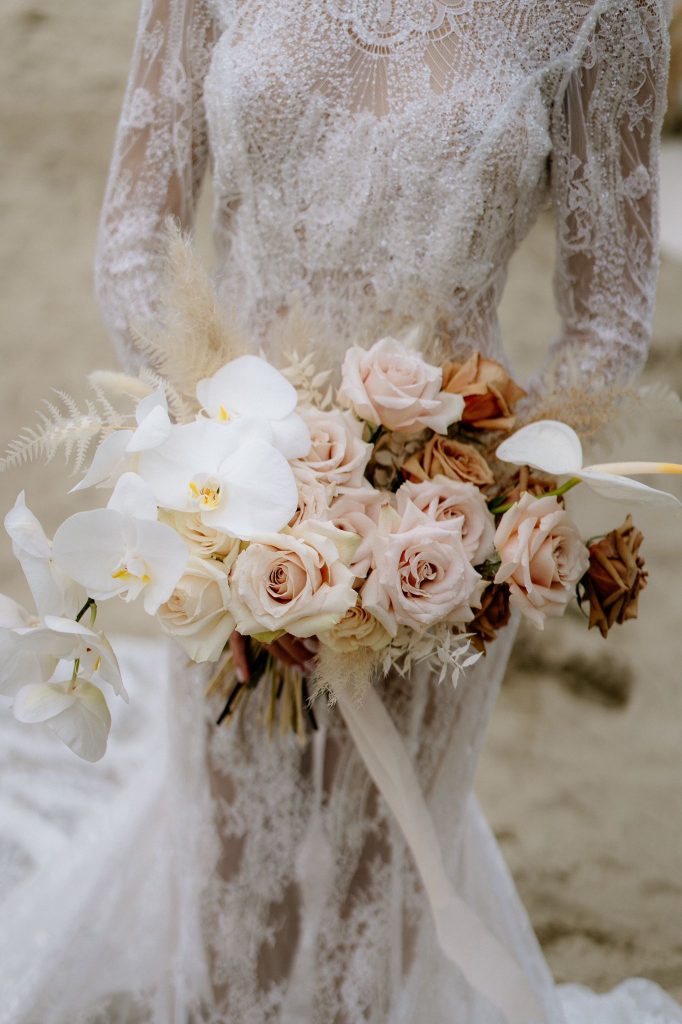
(452, 458)
(489, 393)
(615, 578)
(492, 616)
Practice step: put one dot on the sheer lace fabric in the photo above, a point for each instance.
(386, 157)
(378, 162)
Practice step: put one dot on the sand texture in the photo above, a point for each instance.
(582, 774)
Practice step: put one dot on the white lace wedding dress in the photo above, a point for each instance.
(376, 162)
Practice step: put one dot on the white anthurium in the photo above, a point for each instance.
(250, 388)
(74, 709)
(68, 640)
(554, 447)
(122, 549)
(238, 484)
(53, 591)
(117, 453)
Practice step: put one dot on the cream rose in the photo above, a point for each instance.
(356, 629)
(356, 510)
(391, 385)
(542, 557)
(338, 455)
(446, 500)
(314, 495)
(297, 581)
(197, 614)
(423, 574)
(203, 540)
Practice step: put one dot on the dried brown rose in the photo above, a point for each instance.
(615, 578)
(490, 395)
(492, 616)
(452, 458)
(534, 482)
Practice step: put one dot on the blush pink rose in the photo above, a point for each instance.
(391, 385)
(423, 574)
(337, 454)
(453, 501)
(542, 557)
(297, 581)
(357, 511)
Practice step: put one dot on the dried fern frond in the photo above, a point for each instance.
(67, 428)
(193, 337)
(177, 405)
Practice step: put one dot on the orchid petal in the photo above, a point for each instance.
(260, 493)
(25, 532)
(548, 445)
(52, 591)
(191, 449)
(12, 614)
(77, 714)
(134, 497)
(84, 727)
(19, 666)
(291, 436)
(147, 405)
(89, 546)
(611, 485)
(108, 460)
(92, 648)
(152, 431)
(38, 702)
(248, 386)
(166, 555)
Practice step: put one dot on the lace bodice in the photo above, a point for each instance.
(378, 161)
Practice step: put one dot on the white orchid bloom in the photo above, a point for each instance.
(122, 549)
(68, 640)
(239, 485)
(18, 664)
(249, 388)
(116, 453)
(53, 591)
(75, 709)
(554, 447)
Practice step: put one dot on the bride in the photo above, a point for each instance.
(375, 163)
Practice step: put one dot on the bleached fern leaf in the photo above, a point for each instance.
(68, 429)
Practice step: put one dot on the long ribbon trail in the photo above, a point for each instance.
(462, 935)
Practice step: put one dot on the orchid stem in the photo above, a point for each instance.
(90, 603)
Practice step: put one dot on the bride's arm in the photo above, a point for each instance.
(158, 162)
(606, 130)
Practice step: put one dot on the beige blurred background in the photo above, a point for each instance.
(582, 774)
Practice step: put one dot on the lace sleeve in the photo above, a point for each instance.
(159, 160)
(606, 128)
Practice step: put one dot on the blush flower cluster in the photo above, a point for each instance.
(386, 517)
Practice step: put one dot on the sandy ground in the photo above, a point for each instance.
(582, 775)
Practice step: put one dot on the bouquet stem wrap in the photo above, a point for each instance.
(463, 937)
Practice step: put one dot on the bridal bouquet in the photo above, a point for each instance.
(395, 519)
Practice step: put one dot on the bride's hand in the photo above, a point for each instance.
(288, 649)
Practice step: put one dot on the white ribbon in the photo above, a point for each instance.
(463, 937)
